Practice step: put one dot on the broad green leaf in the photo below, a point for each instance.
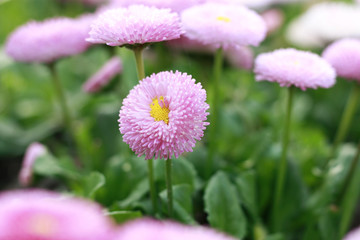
(93, 182)
(182, 197)
(124, 216)
(139, 191)
(222, 205)
(246, 186)
(48, 165)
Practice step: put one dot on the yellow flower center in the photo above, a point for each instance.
(42, 225)
(159, 112)
(224, 19)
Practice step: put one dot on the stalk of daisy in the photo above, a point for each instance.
(47, 41)
(344, 56)
(222, 26)
(289, 67)
(135, 27)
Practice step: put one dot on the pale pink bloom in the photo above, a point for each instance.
(102, 77)
(164, 115)
(43, 215)
(34, 151)
(248, 3)
(223, 25)
(137, 24)
(49, 40)
(353, 235)
(240, 57)
(290, 67)
(344, 56)
(188, 45)
(273, 18)
(147, 229)
(174, 5)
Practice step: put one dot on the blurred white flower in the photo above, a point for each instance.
(324, 23)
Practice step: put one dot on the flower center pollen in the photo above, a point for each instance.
(224, 19)
(159, 111)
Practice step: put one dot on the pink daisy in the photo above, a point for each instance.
(344, 56)
(49, 40)
(174, 5)
(102, 77)
(137, 24)
(273, 18)
(353, 235)
(42, 215)
(34, 151)
(147, 229)
(223, 25)
(293, 67)
(240, 57)
(164, 115)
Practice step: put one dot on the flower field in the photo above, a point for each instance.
(197, 119)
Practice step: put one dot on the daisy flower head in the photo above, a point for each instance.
(34, 151)
(223, 25)
(137, 24)
(38, 214)
(102, 77)
(164, 230)
(164, 115)
(344, 56)
(291, 67)
(46, 41)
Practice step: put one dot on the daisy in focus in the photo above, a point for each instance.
(164, 115)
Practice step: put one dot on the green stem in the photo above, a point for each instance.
(152, 184)
(141, 75)
(139, 61)
(346, 118)
(350, 195)
(63, 104)
(214, 106)
(169, 187)
(283, 163)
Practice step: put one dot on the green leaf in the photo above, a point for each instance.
(182, 197)
(222, 206)
(124, 216)
(48, 165)
(92, 183)
(139, 191)
(245, 184)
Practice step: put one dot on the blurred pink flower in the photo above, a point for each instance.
(42, 215)
(137, 24)
(290, 67)
(223, 25)
(147, 229)
(344, 56)
(240, 57)
(174, 5)
(102, 77)
(164, 115)
(353, 235)
(273, 18)
(185, 44)
(34, 151)
(49, 40)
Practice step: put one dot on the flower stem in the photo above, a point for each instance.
(139, 61)
(214, 117)
(346, 118)
(350, 195)
(152, 184)
(63, 104)
(283, 163)
(141, 75)
(169, 187)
